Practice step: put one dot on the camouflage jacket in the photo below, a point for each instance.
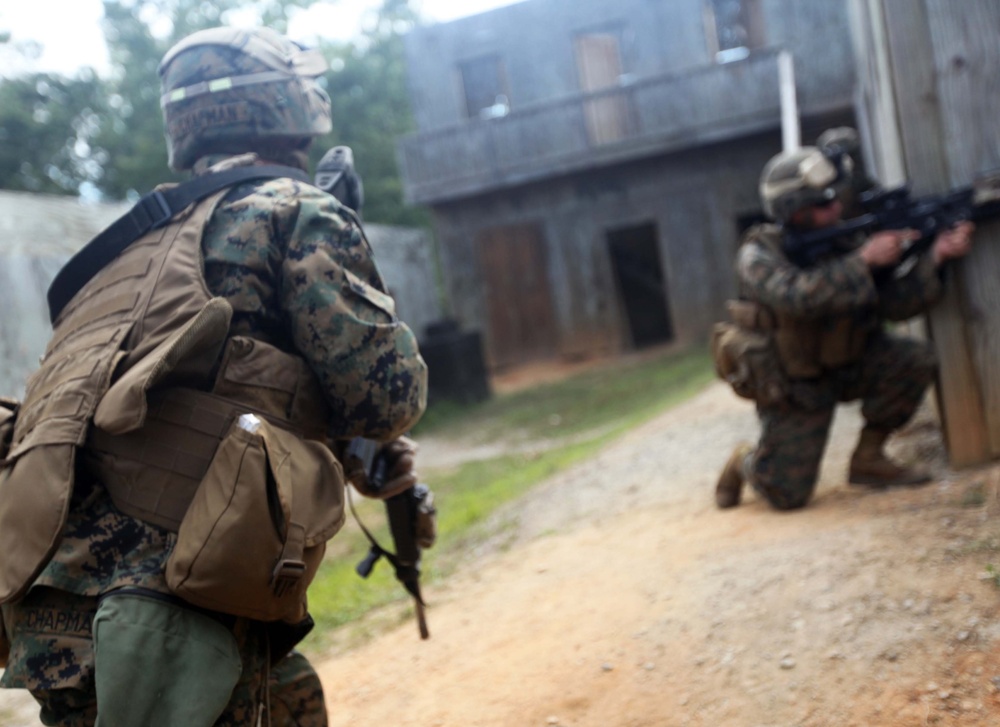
(299, 274)
(823, 317)
(840, 285)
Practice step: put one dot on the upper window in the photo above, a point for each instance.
(735, 27)
(484, 84)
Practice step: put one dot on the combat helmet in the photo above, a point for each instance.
(229, 90)
(795, 179)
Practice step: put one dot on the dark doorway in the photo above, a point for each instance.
(635, 260)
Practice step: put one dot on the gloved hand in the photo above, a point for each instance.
(399, 457)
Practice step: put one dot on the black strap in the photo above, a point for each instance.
(154, 210)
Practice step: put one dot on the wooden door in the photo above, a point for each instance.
(520, 320)
(599, 64)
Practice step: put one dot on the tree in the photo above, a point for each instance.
(371, 110)
(47, 123)
(47, 126)
(57, 134)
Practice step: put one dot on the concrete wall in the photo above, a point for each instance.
(695, 199)
(693, 192)
(39, 233)
(406, 258)
(535, 41)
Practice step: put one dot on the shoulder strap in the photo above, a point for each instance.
(154, 210)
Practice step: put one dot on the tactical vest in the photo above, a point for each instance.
(140, 377)
(808, 347)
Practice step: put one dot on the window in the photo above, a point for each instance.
(484, 85)
(734, 28)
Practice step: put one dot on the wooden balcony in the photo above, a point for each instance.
(649, 115)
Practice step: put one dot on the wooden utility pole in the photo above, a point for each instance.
(928, 103)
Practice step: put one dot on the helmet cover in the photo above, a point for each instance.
(229, 90)
(795, 179)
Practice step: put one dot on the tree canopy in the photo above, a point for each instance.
(105, 135)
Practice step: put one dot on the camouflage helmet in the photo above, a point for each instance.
(795, 179)
(225, 90)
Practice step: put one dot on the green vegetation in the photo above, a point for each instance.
(618, 395)
(974, 495)
(993, 574)
(104, 135)
(573, 418)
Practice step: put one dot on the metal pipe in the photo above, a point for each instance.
(791, 138)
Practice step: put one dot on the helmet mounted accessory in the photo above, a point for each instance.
(797, 179)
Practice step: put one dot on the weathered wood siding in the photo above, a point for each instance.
(938, 62)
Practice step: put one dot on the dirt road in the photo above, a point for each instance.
(618, 596)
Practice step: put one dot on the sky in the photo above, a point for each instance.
(75, 40)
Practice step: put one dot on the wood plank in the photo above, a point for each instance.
(913, 58)
(982, 313)
(969, 90)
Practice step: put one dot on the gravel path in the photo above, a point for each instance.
(617, 595)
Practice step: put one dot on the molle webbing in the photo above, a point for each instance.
(120, 315)
(807, 347)
(152, 212)
(153, 472)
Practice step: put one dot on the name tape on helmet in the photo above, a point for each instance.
(221, 84)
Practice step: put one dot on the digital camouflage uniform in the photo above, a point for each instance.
(890, 377)
(289, 260)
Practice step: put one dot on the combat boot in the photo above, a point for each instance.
(729, 488)
(870, 466)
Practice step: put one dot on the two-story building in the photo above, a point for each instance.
(590, 163)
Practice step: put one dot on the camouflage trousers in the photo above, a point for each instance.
(141, 661)
(890, 381)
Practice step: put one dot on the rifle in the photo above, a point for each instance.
(411, 521)
(897, 209)
(335, 175)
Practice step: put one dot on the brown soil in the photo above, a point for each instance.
(617, 595)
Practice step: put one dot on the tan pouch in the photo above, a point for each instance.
(747, 361)
(256, 530)
(749, 315)
(8, 415)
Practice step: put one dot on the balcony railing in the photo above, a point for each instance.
(649, 115)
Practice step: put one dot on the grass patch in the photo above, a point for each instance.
(587, 401)
(580, 414)
(993, 575)
(974, 495)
